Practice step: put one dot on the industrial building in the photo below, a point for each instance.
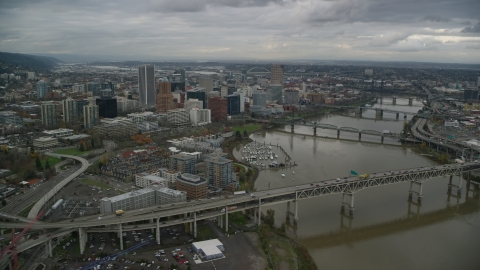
(194, 185)
(209, 249)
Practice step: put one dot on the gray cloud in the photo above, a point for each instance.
(473, 47)
(419, 30)
(436, 18)
(472, 29)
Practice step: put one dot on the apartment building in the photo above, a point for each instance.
(178, 118)
(146, 179)
(194, 185)
(218, 170)
(182, 163)
(167, 196)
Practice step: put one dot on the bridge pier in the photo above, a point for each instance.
(292, 127)
(404, 116)
(351, 208)
(397, 114)
(359, 136)
(338, 133)
(226, 219)
(158, 231)
(296, 210)
(120, 235)
(394, 101)
(194, 225)
(314, 131)
(410, 101)
(82, 239)
(419, 193)
(382, 139)
(288, 211)
(48, 248)
(259, 211)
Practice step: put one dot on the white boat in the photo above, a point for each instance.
(276, 156)
(283, 174)
(293, 179)
(368, 105)
(293, 172)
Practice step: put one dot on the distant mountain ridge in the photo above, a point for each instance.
(34, 62)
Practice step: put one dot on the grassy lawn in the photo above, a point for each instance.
(237, 218)
(51, 160)
(204, 233)
(248, 128)
(70, 151)
(242, 168)
(95, 183)
(24, 212)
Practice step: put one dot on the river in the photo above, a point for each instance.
(441, 233)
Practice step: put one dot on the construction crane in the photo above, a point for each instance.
(12, 248)
(94, 264)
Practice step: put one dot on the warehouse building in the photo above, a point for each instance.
(209, 249)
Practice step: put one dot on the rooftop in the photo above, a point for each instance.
(191, 178)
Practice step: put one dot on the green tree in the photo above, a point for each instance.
(238, 135)
(4, 202)
(38, 163)
(81, 147)
(245, 134)
(47, 165)
(269, 219)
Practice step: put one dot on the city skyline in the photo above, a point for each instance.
(376, 30)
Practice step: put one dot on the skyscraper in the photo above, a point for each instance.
(276, 74)
(206, 83)
(164, 97)
(218, 170)
(107, 107)
(90, 116)
(41, 89)
(70, 111)
(146, 85)
(178, 80)
(48, 114)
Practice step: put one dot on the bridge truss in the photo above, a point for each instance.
(376, 180)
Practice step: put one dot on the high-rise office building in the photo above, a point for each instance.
(206, 83)
(41, 89)
(291, 96)
(218, 108)
(146, 85)
(178, 80)
(80, 104)
(164, 97)
(107, 107)
(93, 88)
(274, 92)
(48, 114)
(198, 93)
(276, 74)
(233, 104)
(90, 116)
(259, 98)
(70, 111)
(470, 94)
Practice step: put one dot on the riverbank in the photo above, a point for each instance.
(280, 250)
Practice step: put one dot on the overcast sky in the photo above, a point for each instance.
(383, 30)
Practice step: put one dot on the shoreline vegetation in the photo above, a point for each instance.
(277, 245)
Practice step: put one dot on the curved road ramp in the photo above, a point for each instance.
(38, 206)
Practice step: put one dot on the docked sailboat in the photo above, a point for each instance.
(283, 174)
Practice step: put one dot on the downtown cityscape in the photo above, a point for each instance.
(259, 151)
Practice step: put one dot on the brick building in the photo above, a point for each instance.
(194, 185)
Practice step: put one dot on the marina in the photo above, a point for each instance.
(264, 156)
